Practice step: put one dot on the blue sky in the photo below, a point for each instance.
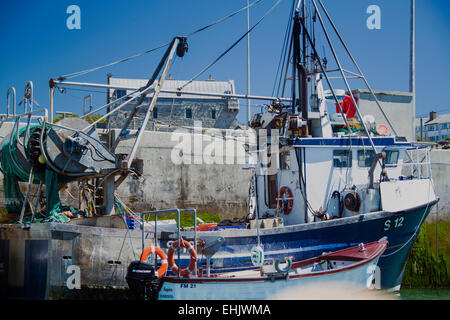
(37, 45)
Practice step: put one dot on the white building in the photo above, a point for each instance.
(178, 110)
(434, 128)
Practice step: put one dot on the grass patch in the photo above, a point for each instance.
(426, 266)
(187, 219)
(3, 212)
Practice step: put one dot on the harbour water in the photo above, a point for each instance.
(425, 294)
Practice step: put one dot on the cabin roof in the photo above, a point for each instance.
(208, 86)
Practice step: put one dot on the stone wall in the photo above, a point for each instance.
(440, 168)
(205, 180)
(220, 114)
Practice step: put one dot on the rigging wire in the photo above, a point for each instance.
(223, 19)
(283, 53)
(229, 49)
(83, 72)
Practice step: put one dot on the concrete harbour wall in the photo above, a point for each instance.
(212, 181)
(440, 168)
(211, 178)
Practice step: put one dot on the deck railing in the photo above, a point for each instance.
(417, 163)
(178, 211)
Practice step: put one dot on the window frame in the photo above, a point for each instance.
(188, 113)
(349, 158)
(120, 93)
(365, 160)
(388, 155)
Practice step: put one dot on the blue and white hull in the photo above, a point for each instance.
(310, 240)
(352, 269)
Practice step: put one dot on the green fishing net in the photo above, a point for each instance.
(14, 172)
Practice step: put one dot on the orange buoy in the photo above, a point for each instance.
(382, 130)
(173, 267)
(163, 268)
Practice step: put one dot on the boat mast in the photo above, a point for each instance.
(303, 70)
(299, 68)
(303, 34)
(248, 63)
(295, 57)
(412, 66)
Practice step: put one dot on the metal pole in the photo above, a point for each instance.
(108, 92)
(357, 67)
(158, 87)
(25, 201)
(92, 85)
(195, 238)
(135, 96)
(412, 65)
(156, 235)
(178, 211)
(88, 97)
(36, 203)
(421, 129)
(343, 76)
(225, 95)
(50, 116)
(248, 63)
(13, 90)
(328, 82)
(257, 218)
(304, 37)
(179, 241)
(195, 232)
(143, 236)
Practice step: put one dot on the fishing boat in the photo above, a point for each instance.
(352, 268)
(325, 181)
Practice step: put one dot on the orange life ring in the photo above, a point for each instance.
(173, 267)
(163, 268)
(285, 203)
(348, 107)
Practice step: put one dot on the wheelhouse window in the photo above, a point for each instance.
(213, 113)
(365, 158)
(272, 191)
(188, 113)
(155, 113)
(392, 157)
(120, 93)
(285, 160)
(342, 158)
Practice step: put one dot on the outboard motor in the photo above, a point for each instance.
(143, 280)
